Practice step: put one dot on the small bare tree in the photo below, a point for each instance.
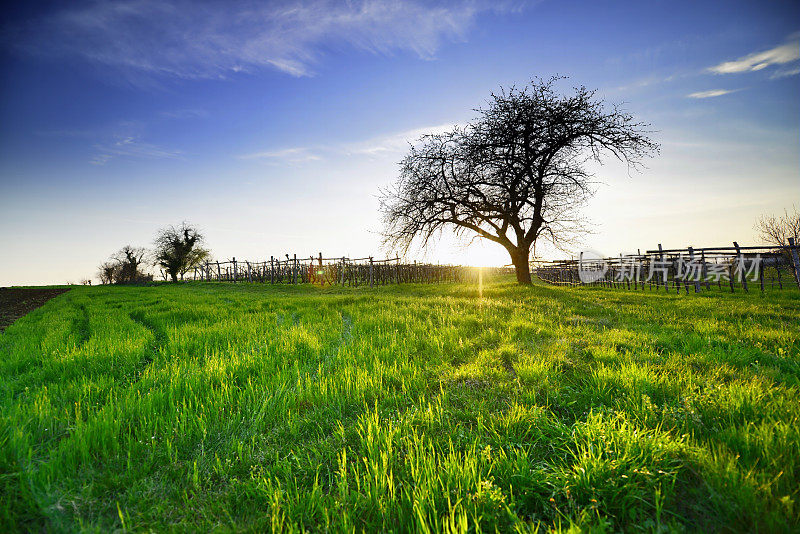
(130, 260)
(513, 175)
(777, 230)
(106, 272)
(125, 266)
(178, 249)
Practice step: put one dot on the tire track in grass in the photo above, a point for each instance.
(347, 330)
(327, 357)
(80, 326)
(345, 336)
(508, 365)
(160, 340)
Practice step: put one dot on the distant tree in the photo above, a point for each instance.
(777, 230)
(106, 272)
(129, 262)
(178, 249)
(125, 266)
(513, 175)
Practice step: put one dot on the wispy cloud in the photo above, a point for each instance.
(712, 93)
(383, 145)
(288, 155)
(184, 114)
(391, 143)
(215, 39)
(126, 138)
(130, 147)
(779, 55)
(785, 73)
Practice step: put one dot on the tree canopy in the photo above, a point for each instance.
(515, 174)
(777, 230)
(178, 249)
(125, 266)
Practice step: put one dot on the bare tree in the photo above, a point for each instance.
(179, 249)
(777, 230)
(106, 272)
(125, 266)
(513, 175)
(129, 260)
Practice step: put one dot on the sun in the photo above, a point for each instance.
(480, 253)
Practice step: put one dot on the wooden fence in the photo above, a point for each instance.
(331, 271)
(690, 269)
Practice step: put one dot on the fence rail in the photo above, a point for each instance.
(689, 269)
(331, 271)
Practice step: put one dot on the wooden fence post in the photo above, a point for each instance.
(697, 278)
(795, 260)
(234, 268)
(371, 280)
(664, 275)
(740, 257)
(703, 269)
(639, 264)
(294, 270)
(731, 270)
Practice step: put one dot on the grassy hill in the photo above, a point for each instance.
(426, 408)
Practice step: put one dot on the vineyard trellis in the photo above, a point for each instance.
(330, 271)
(689, 269)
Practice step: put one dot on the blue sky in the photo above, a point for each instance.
(272, 125)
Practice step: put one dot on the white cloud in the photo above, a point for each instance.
(780, 55)
(124, 138)
(785, 73)
(392, 143)
(130, 147)
(215, 39)
(184, 114)
(712, 93)
(384, 145)
(288, 155)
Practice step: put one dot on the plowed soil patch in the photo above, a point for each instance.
(16, 302)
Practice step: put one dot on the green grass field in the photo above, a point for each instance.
(203, 407)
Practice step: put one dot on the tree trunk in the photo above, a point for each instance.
(174, 276)
(519, 257)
